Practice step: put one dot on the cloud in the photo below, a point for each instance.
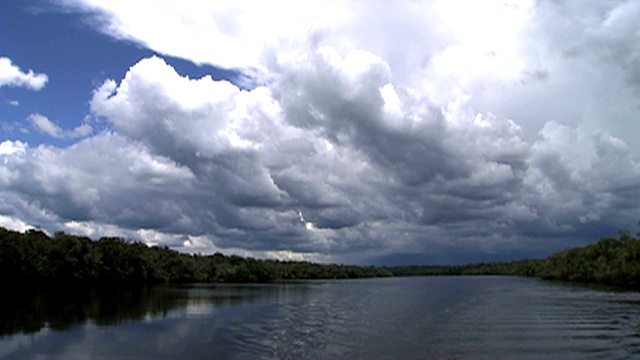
(46, 126)
(198, 161)
(12, 223)
(446, 131)
(500, 57)
(588, 57)
(8, 147)
(11, 75)
(255, 37)
(586, 175)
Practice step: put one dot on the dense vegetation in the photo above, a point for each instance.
(34, 256)
(529, 267)
(611, 261)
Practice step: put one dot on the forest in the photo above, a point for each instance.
(36, 257)
(610, 261)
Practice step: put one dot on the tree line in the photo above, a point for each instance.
(36, 257)
(610, 261)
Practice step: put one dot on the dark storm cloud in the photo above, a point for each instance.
(361, 154)
(343, 175)
(347, 108)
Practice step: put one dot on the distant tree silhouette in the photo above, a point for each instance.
(33, 256)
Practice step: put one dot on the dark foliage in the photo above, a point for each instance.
(610, 261)
(529, 267)
(33, 256)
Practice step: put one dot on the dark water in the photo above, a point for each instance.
(397, 318)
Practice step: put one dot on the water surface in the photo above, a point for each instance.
(391, 318)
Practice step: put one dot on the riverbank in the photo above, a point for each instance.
(33, 257)
(610, 261)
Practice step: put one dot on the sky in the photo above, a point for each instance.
(361, 132)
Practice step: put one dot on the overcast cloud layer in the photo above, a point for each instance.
(357, 130)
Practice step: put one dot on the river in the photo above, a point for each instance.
(390, 318)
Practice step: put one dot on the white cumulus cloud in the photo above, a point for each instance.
(12, 75)
(432, 128)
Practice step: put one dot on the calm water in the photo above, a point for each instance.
(397, 318)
